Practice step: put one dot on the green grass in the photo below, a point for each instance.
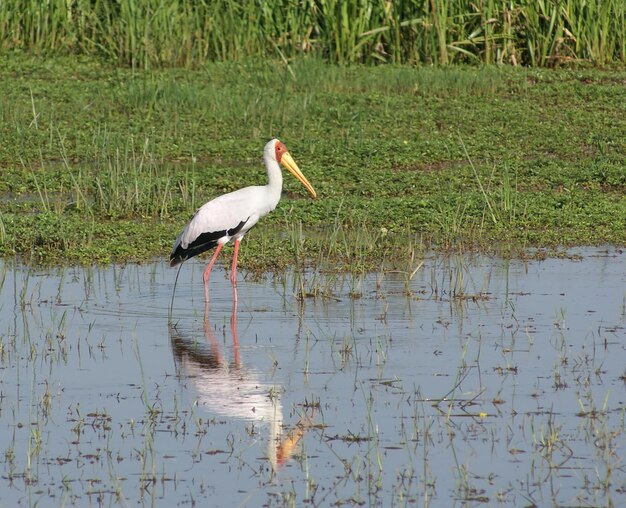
(101, 163)
(164, 33)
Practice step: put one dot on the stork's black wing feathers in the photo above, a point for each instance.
(203, 243)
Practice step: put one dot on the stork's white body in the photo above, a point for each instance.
(227, 212)
(236, 211)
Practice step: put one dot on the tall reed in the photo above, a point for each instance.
(148, 33)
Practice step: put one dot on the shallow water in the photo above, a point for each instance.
(478, 381)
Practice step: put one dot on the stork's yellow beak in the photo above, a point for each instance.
(287, 161)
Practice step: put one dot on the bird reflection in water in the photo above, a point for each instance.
(228, 388)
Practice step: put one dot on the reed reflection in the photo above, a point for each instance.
(225, 386)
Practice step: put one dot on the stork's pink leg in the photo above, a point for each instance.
(235, 294)
(233, 269)
(207, 272)
(233, 325)
(215, 348)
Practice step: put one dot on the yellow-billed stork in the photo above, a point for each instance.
(231, 215)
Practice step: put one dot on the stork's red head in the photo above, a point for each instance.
(279, 150)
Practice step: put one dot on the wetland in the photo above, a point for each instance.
(429, 331)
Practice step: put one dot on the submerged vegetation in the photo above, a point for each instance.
(101, 163)
(148, 33)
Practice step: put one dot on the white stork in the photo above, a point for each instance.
(231, 215)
